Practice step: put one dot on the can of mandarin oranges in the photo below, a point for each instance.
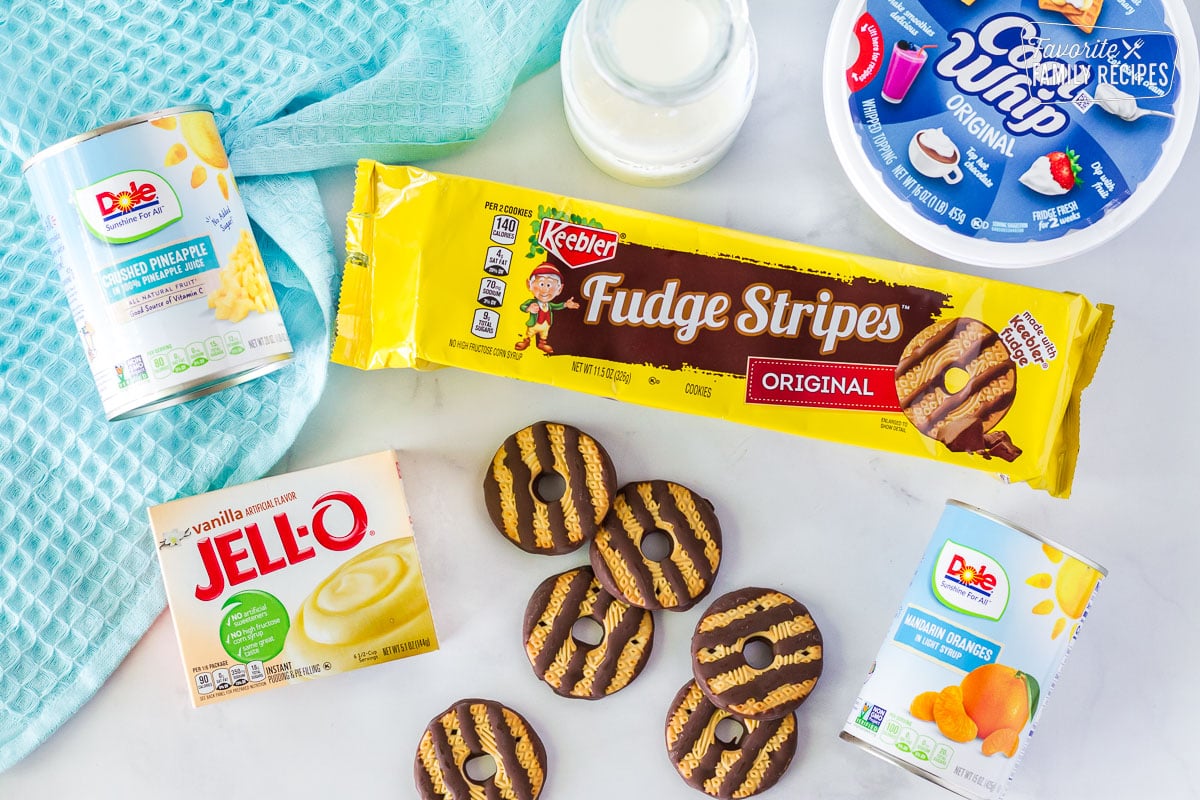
(163, 276)
(960, 681)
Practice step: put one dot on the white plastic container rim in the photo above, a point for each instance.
(1004, 255)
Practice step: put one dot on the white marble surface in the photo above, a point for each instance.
(839, 527)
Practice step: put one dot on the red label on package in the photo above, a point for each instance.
(870, 53)
(577, 245)
(821, 384)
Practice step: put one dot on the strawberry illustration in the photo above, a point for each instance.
(1065, 169)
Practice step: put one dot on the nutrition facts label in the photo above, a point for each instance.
(497, 264)
(223, 678)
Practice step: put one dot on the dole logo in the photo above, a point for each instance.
(127, 200)
(128, 206)
(577, 245)
(975, 577)
(969, 581)
(228, 562)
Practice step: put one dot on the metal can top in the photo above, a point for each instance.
(67, 144)
(1038, 537)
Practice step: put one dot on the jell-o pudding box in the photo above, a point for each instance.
(963, 675)
(293, 577)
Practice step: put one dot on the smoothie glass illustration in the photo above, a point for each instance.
(906, 62)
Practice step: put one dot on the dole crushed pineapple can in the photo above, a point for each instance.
(163, 276)
(960, 681)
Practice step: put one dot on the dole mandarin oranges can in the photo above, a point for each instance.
(981, 636)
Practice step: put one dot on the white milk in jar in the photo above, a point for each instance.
(655, 91)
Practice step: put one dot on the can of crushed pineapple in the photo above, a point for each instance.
(978, 643)
(164, 279)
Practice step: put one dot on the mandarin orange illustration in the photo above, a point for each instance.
(922, 706)
(1003, 740)
(951, 717)
(996, 696)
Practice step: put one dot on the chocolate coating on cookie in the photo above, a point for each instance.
(510, 488)
(682, 578)
(719, 658)
(471, 728)
(752, 764)
(574, 668)
(960, 415)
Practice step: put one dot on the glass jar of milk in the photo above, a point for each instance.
(655, 91)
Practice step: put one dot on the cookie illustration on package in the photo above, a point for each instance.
(513, 488)
(956, 380)
(644, 516)
(723, 755)
(565, 614)
(734, 677)
(469, 730)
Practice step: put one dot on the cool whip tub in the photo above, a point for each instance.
(1011, 133)
(963, 675)
(293, 577)
(163, 276)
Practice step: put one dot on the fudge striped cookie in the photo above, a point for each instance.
(564, 656)
(468, 730)
(723, 755)
(683, 521)
(956, 381)
(778, 625)
(511, 488)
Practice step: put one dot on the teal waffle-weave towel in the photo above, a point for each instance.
(296, 87)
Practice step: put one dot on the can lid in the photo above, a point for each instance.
(67, 144)
(1000, 520)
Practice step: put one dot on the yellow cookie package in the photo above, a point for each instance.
(452, 271)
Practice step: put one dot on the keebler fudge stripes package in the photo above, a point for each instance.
(453, 271)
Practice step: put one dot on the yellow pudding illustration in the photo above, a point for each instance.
(371, 608)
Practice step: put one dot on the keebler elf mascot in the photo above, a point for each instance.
(545, 283)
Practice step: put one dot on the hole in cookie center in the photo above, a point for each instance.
(480, 768)
(759, 652)
(587, 632)
(955, 379)
(549, 487)
(729, 733)
(657, 545)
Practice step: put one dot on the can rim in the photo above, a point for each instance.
(1008, 524)
(67, 144)
(847, 736)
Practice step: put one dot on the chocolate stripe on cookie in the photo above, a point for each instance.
(636, 627)
(510, 487)
(677, 578)
(513, 778)
(958, 419)
(570, 667)
(558, 616)
(719, 661)
(471, 728)
(726, 769)
(928, 374)
(676, 582)
(621, 559)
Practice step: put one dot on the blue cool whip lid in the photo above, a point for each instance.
(1011, 133)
